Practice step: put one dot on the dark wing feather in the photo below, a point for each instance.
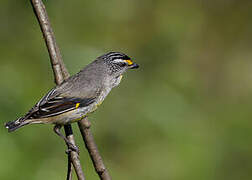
(53, 104)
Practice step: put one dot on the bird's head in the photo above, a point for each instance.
(118, 62)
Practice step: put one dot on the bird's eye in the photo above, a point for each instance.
(123, 64)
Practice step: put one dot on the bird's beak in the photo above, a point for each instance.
(134, 66)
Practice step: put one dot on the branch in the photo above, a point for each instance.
(84, 126)
(69, 167)
(60, 74)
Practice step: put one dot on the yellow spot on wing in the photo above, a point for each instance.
(77, 105)
(129, 61)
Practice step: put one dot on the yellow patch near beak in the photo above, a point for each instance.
(129, 61)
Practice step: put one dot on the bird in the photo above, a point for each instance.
(77, 96)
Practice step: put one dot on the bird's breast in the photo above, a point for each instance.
(103, 94)
(116, 81)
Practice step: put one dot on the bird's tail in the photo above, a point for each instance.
(13, 125)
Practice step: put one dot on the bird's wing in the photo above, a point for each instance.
(53, 103)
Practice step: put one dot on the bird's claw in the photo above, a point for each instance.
(72, 147)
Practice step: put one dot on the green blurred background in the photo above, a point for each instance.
(185, 114)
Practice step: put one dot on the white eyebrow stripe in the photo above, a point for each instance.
(118, 61)
(116, 57)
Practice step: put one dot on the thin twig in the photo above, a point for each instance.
(74, 155)
(60, 74)
(69, 168)
(84, 126)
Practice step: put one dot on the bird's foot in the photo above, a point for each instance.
(72, 147)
